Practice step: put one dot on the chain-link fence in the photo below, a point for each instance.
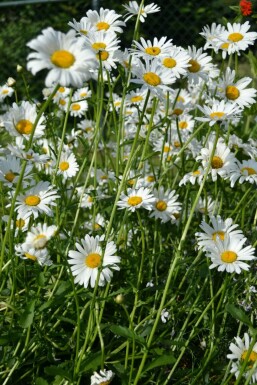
(22, 20)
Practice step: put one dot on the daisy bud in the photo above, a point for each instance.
(10, 82)
(119, 299)
(19, 68)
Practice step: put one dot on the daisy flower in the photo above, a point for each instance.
(104, 377)
(19, 120)
(36, 200)
(82, 93)
(201, 66)
(21, 224)
(103, 46)
(95, 224)
(217, 229)
(236, 91)
(26, 251)
(193, 177)
(165, 316)
(39, 235)
(68, 166)
(237, 38)
(10, 168)
(211, 33)
(133, 10)
(177, 61)
(239, 351)
(62, 54)
(136, 198)
(205, 206)
(245, 172)
(82, 27)
(229, 254)
(219, 112)
(148, 49)
(5, 91)
(90, 257)
(166, 205)
(136, 97)
(223, 161)
(78, 107)
(105, 20)
(152, 76)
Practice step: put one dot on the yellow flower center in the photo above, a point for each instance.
(217, 114)
(63, 166)
(131, 182)
(220, 234)
(194, 66)
(10, 176)
(32, 200)
(83, 94)
(228, 256)
(83, 31)
(102, 25)
(93, 260)
(197, 172)
(117, 104)
(154, 51)
(251, 359)
(90, 199)
(61, 89)
(235, 37)
(102, 55)
(249, 170)
(62, 59)
(217, 162)
(177, 111)
(96, 226)
(105, 383)
(4, 92)
(24, 126)
(161, 205)
(62, 102)
(136, 99)
(20, 223)
(98, 46)
(134, 201)
(30, 256)
(75, 107)
(40, 241)
(152, 79)
(182, 125)
(232, 93)
(150, 178)
(224, 46)
(177, 144)
(166, 149)
(169, 62)
(180, 99)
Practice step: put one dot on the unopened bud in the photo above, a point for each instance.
(10, 82)
(119, 299)
(19, 68)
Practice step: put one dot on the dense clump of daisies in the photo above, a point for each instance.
(128, 202)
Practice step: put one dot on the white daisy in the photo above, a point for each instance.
(201, 66)
(236, 91)
(36, 200)
(10, 168)
(245, 172)
(104, 377)
(64, 55)
(83, 26)
(219, 112)
(133, 10)
(19, 120)
(218, 229)
(78, 107)
(21, 224)
(148, 49)
(95, 223)
(106, 20)
(166, 205)
(153, 76)
(5, 91)
(239, 351)
(177, 61)
(223, 161)
(193, 177)
(26, 251)
(136, 198)
(86, 262)
(68, 166)
(39, 235)
(229, 254)
(165, 315)
(212, 33)
(205, 206)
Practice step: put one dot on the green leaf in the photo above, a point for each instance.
(126, 333)
(91, 363)
(161, 361)
(57, 370)
(28, 315)
(41, 381)
(238, 314)
(41, 279)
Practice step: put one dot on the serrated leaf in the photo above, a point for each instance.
(28, 315)
(238, 314)
(126, 333)
(161, 361)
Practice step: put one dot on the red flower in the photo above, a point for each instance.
(246, 7)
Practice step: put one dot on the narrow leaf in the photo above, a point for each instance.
(28, 315)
